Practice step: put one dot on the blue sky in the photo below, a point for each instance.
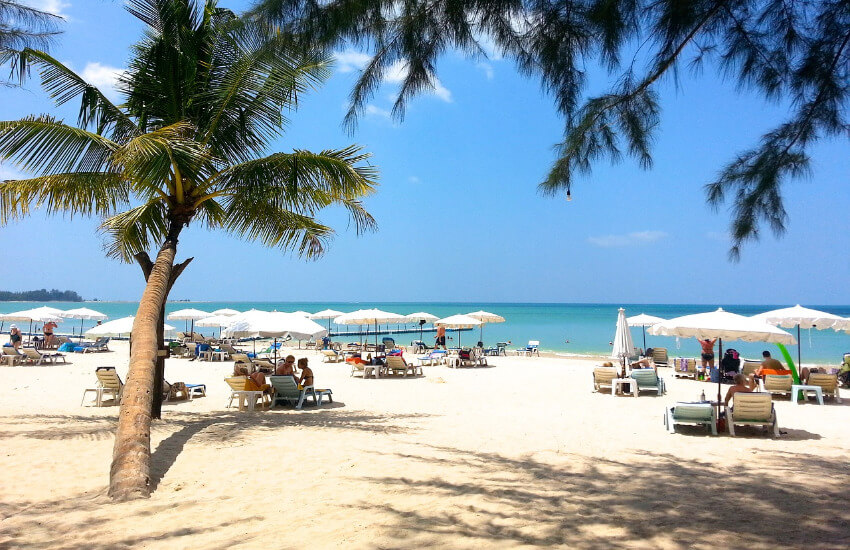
(459, 215)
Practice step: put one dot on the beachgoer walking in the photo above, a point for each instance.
(441, 337)
(707, 352)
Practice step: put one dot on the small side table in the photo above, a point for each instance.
(796, 388)
(617, 386)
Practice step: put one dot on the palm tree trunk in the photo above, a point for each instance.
(129, 477)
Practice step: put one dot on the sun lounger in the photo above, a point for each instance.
(691, 413)
(603, 377)
(285, 389)
(37, 358)
(659, 357)
(98, 345)
(246, 398)
(396, 364)
(362, 367)
(777, 384)
(263, 365)
(12, 356)
(828, 384)
(532, 348)
(752, 408)
(648, 380)
(331, 356)
(108, 382)
(749, 368)
(684, 367)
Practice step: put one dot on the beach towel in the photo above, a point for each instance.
(683, 365)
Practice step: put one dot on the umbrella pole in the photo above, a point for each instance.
(643, 328)
(81, 330)
(275, 351)
(719, 377)
(799, 346)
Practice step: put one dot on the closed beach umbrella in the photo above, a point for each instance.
(189, 314)
(369, 317)
(457, 322)
(623, 345)
(421, 317)
(84, 313)
(117, 328)
(722, 325)
(326, 314)
(801, 317)
(643, 320)
(225, 311)
(485, 317)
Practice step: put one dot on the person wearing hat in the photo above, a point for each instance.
(15, 337)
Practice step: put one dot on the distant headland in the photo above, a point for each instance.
(42, 295)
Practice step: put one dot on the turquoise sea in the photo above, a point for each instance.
(584, 329)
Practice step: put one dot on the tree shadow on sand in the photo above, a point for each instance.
(659, 500)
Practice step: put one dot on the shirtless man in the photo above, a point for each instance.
(742, 383)
(441, 337)
(306, 378)
(287, 366)
(47, 329)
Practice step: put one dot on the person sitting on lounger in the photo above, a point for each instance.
(15, 337)
(805, 372)
(644, 363)
(257, 382)
(306, 378)
(742, 383)
(286, 367)
(770, 366)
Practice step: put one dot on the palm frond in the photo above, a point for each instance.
(63, 85)
(44, 145)
(82, 193)
(135, 230)
(23, 27)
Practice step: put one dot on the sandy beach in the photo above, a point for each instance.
(519, 454)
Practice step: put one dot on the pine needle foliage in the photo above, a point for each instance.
(789, 51)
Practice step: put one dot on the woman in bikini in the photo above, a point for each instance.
(306, 378)
(707, 352)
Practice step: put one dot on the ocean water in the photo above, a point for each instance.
(582, 329)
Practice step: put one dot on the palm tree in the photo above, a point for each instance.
(204, 95)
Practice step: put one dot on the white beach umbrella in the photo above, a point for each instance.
(83, 314)
(275, 324)
(44, 314)
(369, 317)
(117, 328)
(723, 325)
(225, 311)
(457, 322)
(219, 321)
(302, 313)
(643, 320)
(623, 345)
(189, 314)
(801, 317)
(420, 317)
(485, 317)
(326, 314)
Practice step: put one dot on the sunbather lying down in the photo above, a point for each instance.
(645, 363)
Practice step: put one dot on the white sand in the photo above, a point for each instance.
(522, 454)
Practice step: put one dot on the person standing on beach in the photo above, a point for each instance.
(441, 337)
(707, 352)
(15, 337)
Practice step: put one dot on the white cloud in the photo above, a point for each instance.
(630, 239)
(487, 68)
(102, 76)
(396, 73)
(376, 111)
(56, 7)
(350, 61)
